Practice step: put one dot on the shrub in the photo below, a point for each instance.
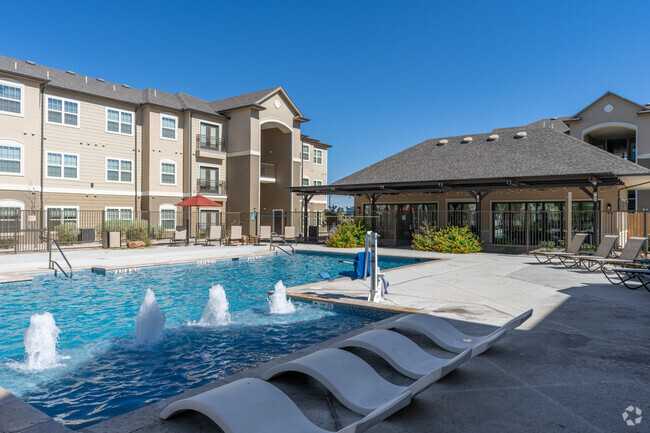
(6, 243)
(133, 230)
(452, 239)
(348, 234)
(67, 233)
(546, 245)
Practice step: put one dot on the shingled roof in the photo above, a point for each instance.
(68, 80)
(542, 152)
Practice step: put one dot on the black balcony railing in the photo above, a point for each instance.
(267, 170)
(207, 142)
(211, 186)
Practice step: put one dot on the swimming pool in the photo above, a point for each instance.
(104, 372)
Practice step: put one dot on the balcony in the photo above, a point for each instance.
(210, 147)
(267, 173)
(205, 186)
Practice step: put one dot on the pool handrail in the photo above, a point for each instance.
(54, 262)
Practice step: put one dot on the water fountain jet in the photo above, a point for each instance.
(278, 302)
(40, 343)
(150, 321)
(215, 312)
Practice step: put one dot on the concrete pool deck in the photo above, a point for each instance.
(574, 366)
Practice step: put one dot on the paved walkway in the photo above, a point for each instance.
(574, 366)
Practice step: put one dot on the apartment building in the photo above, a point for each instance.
(69, 142)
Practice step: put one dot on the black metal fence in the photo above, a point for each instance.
(30, 230)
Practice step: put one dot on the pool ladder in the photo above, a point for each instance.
(54, 262)
(283, 241)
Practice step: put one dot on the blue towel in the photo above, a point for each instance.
(359, 263)
(325, 275)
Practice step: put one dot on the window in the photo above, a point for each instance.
(62, 112)
(318, 156)
(61, 215)
(305, 152)
(318, 183)
(11, 161)
(119, 170)
(118, 121)
(168, 126)
(168, 218)
(305, 181)
(11, 97)
(62, 165)
(210, 137)
(121, 213)
(10, 216)
(167, 172)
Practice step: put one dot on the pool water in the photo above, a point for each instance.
(105, 374)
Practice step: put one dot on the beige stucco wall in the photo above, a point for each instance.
(624, 113)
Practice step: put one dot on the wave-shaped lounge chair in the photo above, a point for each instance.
(573, 248)
(402, 353)
(451, 339)
(603, 251)
(253, 405)
(628, 256)
(625, 275)
(352, 380)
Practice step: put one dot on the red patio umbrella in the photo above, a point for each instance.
(198, 201)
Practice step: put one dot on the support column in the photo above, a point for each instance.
(569, 218)
(478, 196)
(596, 217)
(305, 216)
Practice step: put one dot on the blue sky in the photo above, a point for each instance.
(375, 77)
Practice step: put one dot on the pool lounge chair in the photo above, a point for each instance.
(265, 234)
(604, 250)
(628, 256)
(625, 275)
(573, 248)
(214, 235)
(451, 339)
(180, 236)
(253, 405)
(401, 353)
(235, 235)
(352, 380)
(290, 234)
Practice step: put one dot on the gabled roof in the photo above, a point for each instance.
(68, 80)
(253, 99)
(576, 116)
(543, 152)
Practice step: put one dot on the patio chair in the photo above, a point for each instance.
(290, 234)
(351, 380)
(573, 248)
(214, 235)
(451, 339)
(402, 353)
(265, 234)
(604, 250)
(253, 405)
(628, 256)
(180, 236)
(235, 234)
(625, 275)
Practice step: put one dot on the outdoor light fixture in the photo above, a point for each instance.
(609, 207)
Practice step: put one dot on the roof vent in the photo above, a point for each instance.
(126, 85)
(29, 62)
(553, 118)
(443, 142)
(71, 73)
(493, 137)
(521, 134)
(467, 140)
(100, 79)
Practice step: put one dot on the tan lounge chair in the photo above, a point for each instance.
(214, 236)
